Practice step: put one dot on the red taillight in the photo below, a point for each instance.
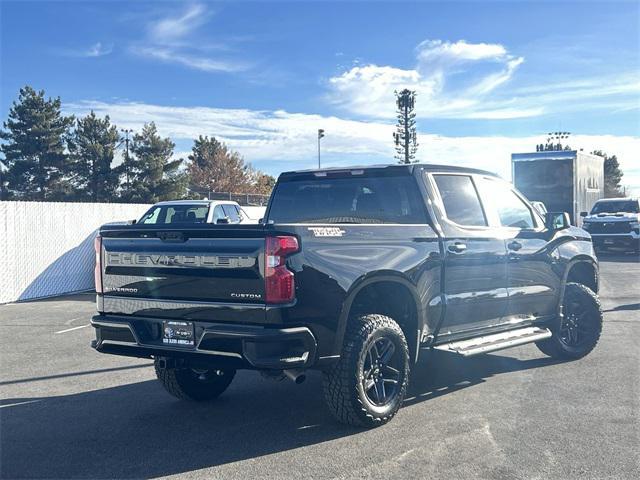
(278, 280)
(97, 272)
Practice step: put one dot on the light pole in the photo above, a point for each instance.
(320, 135)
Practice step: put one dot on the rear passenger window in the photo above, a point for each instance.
(218, 214)
(231, 212)
(460, 199)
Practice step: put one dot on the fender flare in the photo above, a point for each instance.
(565, 275)
(370, 279)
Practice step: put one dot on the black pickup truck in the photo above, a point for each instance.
(353, 272)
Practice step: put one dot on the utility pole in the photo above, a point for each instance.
(126, 132)
(320, 135)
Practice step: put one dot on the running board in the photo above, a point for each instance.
(498, 341)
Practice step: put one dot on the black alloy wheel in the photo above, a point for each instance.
(367, 386)
(381, 372)
(577, 331)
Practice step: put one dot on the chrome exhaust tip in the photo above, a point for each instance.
(296, 376)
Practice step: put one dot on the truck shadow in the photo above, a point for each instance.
(625, 307)
(618, 257)
(137, 430)
(453, 372)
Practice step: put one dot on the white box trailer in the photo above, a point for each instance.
(565, 180)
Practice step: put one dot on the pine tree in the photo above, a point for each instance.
(405, 137)
(153, 175)
(92, 148)
(216, 168)
(612, 175)
(34, 138)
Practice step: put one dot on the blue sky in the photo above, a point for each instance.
(491, 77)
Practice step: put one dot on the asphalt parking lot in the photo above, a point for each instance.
(69, 412)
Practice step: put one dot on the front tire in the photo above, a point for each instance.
(578, 332)
(368, 384)
(194, 384)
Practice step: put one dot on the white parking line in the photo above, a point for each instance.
(19, 403)
(71, 329)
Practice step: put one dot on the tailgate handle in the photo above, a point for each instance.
(172, 236)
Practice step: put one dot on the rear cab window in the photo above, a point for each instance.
(348, 198)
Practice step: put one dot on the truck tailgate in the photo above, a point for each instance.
(183, 273)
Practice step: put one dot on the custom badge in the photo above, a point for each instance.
(326, 231)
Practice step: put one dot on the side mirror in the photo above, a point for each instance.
(584, 214)
(555, 221)
(132, 222)
(222, 221)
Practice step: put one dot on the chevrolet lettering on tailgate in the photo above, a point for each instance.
(152, 260)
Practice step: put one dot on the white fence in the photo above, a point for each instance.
(47, 248)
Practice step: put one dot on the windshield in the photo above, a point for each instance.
(615, 206)
(170, 214)
(348, 200)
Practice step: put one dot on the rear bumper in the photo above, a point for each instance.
(237, 346)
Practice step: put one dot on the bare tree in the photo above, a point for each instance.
(214, 167)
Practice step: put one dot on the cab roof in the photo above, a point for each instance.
(392, 168)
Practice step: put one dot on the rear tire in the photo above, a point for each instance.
(368, 384)
(194, 384)
(578, 332)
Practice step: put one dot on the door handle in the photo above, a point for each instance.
(457, 247)
(515, 246)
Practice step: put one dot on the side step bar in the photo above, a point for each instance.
(497, 341)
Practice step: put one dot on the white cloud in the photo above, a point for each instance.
(368, 90)
(171, 28)
(173, 39)
(430, 51)
(98, 49)
(280, 140)
(194, 61)
(469, 81)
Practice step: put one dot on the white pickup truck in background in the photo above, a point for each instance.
(201, 211)
(614, 224)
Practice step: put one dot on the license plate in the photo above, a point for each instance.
(178, 333)
(608, 241)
